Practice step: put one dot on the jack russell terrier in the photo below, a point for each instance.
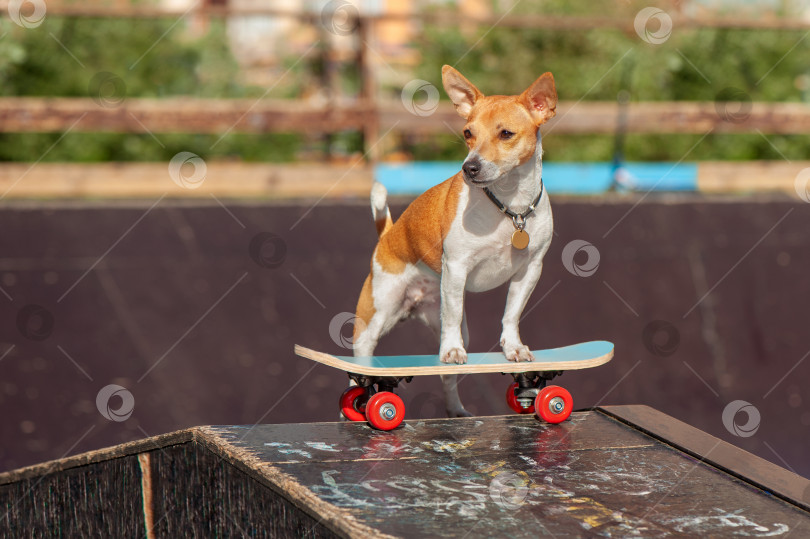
(487, 225)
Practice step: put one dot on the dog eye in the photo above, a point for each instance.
(506, 135)
(467, 133)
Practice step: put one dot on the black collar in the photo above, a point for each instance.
(516, 217)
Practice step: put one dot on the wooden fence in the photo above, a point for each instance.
(190, 115)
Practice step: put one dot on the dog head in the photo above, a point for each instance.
(501, 131)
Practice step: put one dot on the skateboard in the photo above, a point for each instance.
(373, 398)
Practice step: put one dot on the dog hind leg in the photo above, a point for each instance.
(370, 324)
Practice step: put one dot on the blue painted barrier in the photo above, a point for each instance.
(564, 178)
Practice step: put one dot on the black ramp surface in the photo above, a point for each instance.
(515, 476)
(705, 299)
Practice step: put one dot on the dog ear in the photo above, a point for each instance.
(462, 92)
(541, 99)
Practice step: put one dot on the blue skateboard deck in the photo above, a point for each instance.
(577, 356)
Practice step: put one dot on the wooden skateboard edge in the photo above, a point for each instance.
(337, 363)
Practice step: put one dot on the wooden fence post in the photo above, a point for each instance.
(368, 91)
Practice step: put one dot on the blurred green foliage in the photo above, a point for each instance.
(595, 64)
(153, 58)
(157, 58)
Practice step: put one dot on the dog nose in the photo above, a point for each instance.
(471, 168)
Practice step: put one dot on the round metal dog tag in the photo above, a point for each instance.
(520, 239)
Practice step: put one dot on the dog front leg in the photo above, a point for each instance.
(454, 280)
(452, 400)
(520, 288)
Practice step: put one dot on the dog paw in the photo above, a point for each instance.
(454, 355)
(518, 353)
(461, 412)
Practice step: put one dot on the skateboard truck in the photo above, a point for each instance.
(383, 383)
(381, 406)
(522, 394)
(529, 394)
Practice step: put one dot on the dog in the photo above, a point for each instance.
(488, 225)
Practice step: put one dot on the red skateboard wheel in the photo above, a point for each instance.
(513, 403)
(385, 410)
(352, 403)
(554, 404)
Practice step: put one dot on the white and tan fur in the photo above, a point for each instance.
(453, 239)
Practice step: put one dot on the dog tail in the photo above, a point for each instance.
(379, 208)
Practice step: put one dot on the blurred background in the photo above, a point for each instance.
(184, 186)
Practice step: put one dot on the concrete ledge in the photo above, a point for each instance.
(125, 180)
(353, 179)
